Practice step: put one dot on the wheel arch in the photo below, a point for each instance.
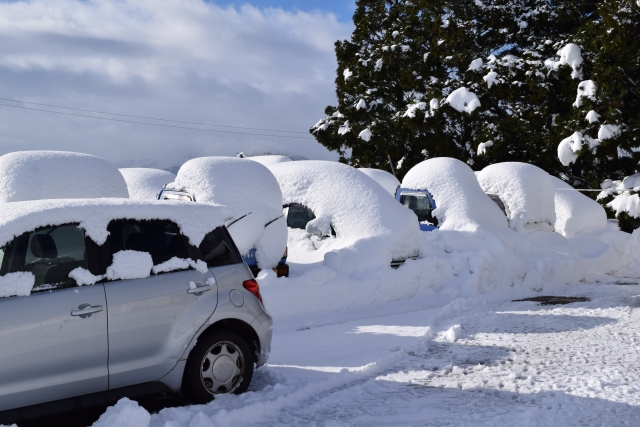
(241, 327)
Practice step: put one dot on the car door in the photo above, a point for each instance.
(152, 320)
(53, 343)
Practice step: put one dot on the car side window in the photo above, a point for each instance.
(49, 253)
(217, 248)
(160, 238)
(298, 216)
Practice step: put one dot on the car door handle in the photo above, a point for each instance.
(198, 289)
(85, 309)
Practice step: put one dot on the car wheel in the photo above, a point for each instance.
(221, 362)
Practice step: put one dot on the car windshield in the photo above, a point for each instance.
(419, 203)
(298, 216)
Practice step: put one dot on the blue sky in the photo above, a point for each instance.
(342, 8)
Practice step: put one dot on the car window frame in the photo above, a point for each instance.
(91, 247)
(106, 257)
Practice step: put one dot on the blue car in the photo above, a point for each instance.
(421, 203)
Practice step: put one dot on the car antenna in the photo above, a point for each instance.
(391, 164)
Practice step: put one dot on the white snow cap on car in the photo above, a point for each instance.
(460, 202)
(384, 178)
(194, 219)
(526, 190)
(248, 188)
(576, 212)
(146, 183)
(371, 228)
(35, 175)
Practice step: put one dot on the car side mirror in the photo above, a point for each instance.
(313, 230)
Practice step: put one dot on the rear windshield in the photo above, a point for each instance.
(298, 216)
(419, 204)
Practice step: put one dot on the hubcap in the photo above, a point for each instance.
(222, 368)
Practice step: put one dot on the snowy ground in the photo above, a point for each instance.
(473, 362)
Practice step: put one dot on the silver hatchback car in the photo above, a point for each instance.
(74, 323)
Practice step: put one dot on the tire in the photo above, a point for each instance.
(221, 362)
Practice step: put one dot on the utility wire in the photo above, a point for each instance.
(155, 124)
(149, 118)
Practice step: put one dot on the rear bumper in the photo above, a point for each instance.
(263, 325)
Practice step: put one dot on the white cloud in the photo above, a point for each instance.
(177, 59)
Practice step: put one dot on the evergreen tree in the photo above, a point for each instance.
(605, 116)
(409, 61)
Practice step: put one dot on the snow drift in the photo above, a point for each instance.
(251, 191)
(384, 178)
(145, 183)
(371, 228)
(527, 192)
(35, 175)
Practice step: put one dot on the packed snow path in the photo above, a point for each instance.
(508, 363)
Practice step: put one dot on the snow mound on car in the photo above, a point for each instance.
(371, 228)
(460, 202)
(527, 192)
(270, 159)
(145, 183)
(249, 189)
(576, 212)
(194, 219)
(384, 178)
(35, 175)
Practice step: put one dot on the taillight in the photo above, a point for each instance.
(253, 287)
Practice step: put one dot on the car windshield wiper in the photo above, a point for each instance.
(238, 219)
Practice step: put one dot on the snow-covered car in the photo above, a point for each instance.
(258, 227)
(384, 178)
(146, 183)
(527, 192)
(333, 209)
(106, 294)
(35, 175)
(462, 204)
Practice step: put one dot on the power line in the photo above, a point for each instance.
(154, 124)
(150, 118)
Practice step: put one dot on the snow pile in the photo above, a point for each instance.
(36, 175)
(527, 192)
(270, 159)
(462, 99)
(248, 188)
(371, 227)
(125, 413)
(130, 265)
(176, 263)
(84, 277)
(608, 131)
(460, 202)
(146, 183)
(384, 178)
(17, 284)
(570, 55)
(587, 89)
(576, 212)
(626, 202)
(194, 219)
